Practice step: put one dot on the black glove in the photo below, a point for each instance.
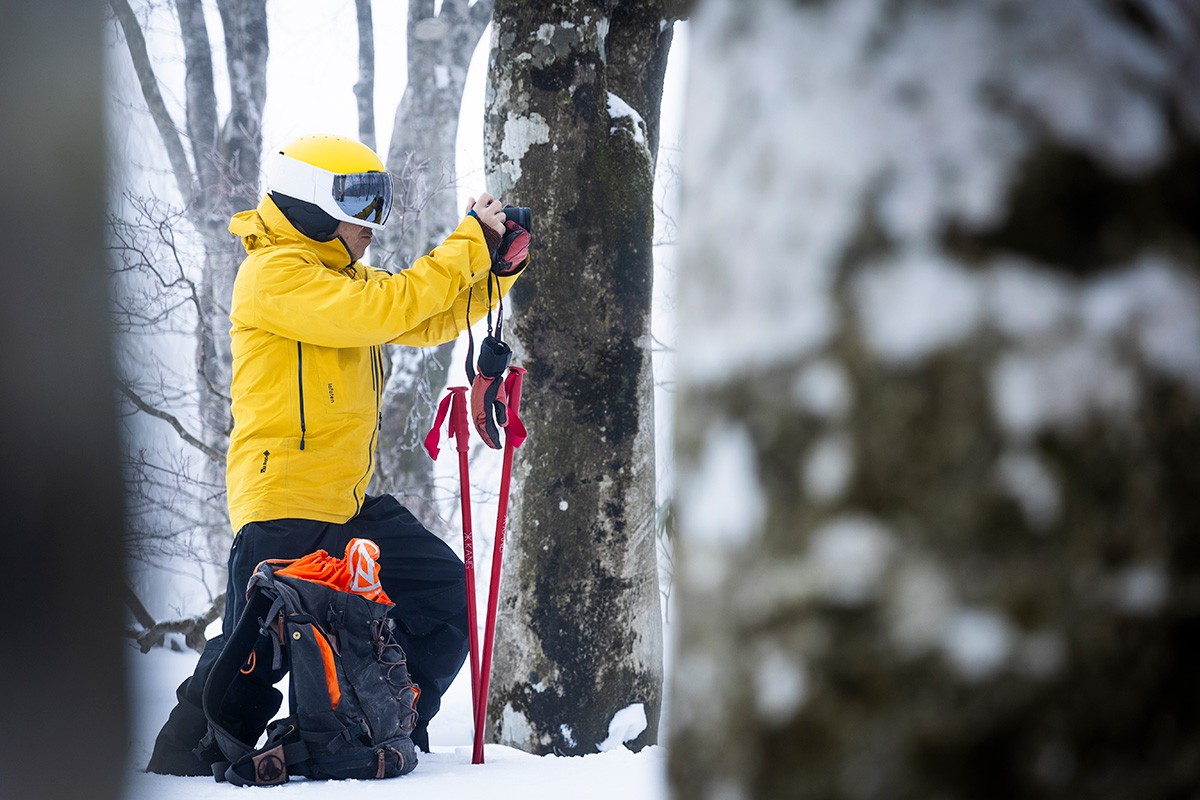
(512, 255)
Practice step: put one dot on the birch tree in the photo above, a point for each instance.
(571, 131)
(939, 401)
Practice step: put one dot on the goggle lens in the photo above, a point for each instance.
(364, 195)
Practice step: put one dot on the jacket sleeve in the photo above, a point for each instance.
(289, 294)
(447, 325)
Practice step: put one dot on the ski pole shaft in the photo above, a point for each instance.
(461, 431)
(514, 403)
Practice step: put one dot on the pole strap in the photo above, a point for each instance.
(433, 439)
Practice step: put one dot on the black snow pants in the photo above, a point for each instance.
(420, 573)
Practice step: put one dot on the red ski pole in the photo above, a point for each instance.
(460, 430)
(514, 436)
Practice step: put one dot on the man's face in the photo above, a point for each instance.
(356, 237)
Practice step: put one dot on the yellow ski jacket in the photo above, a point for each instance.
(308, 329)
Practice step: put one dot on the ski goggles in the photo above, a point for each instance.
(362, 198)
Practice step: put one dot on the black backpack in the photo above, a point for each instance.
(352, 702)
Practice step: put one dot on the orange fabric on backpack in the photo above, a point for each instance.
(358, 572)
(331, 681)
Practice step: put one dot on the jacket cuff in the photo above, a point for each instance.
(490, 236)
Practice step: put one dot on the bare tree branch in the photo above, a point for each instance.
(167, 131)
(418, 9)
(170, 419)
(192, 628)
(138, 608)
(480, 15)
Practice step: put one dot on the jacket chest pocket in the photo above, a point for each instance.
(344, 381)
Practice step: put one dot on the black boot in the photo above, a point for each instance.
(173, 749)
(420, 736)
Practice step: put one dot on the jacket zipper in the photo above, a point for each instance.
(379, 393)
(300, 383)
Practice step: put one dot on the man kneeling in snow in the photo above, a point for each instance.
(309, 325)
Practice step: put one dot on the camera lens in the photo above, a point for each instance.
(520, 215)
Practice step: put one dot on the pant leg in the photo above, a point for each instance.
(424, 578)
(279, 538)
(186, 726)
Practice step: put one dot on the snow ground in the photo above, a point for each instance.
(447, 772)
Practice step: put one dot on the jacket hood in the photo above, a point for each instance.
(266, 226)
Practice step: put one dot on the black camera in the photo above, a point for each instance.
(520, 215)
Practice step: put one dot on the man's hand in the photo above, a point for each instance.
(489, 212)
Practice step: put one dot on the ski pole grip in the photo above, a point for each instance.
(458, 418)
(516, 376)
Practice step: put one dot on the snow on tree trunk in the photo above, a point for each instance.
(579, 634)
(938, 401)
(422, 158)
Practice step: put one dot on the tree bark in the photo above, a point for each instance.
(245, 25)
(572, 112)
(364, 90)
(200, 91)
(938, 402)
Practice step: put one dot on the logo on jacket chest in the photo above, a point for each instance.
(266, 455)
(329, 387)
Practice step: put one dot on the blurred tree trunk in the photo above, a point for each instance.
(939, 402)
(571, 131)
(421, 156)
(63, 659)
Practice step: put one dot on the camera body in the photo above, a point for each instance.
(520, 215)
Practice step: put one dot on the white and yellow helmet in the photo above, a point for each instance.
(342, 177)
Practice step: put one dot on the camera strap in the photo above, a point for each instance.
(494, 341)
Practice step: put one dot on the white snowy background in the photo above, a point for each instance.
(314, 94)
